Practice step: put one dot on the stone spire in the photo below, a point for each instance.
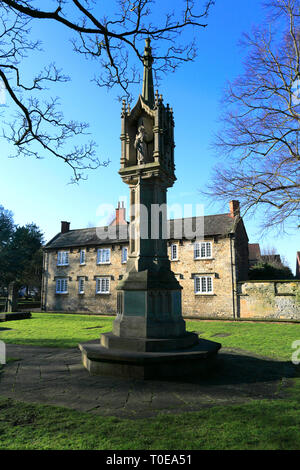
(148, 90)
(149, 338)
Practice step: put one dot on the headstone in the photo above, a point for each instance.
(12, 298)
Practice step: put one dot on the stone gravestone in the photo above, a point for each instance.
(149, 337)
(12, 298)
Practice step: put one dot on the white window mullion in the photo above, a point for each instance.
(197, 252)
(62, 286)
(203, 285)
(174, 252)
(82, 256)
(208, 250)
(62, 258)
(202, 250)
(102, 285)
(103, 256)
(124, 254)
(81, 285)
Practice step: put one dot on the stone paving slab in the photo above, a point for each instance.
(56, 377)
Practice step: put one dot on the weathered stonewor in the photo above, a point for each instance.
(149, 338)
(12, 298)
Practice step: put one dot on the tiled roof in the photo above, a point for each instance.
(210, 225)
(254, 251)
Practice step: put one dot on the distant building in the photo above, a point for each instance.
(255, 256)
(81, 270)
(254, 253)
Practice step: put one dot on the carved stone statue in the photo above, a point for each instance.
(140, 145)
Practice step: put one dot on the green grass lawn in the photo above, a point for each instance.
(55, 330)
(66, 331)
(259, 424)
(256, 425)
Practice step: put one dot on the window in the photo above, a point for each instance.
(102, 285)
(81, 285)
(174, 252)
(62, 258)
(103, 256)
(62, 285)
(82, 256)
(124, 254)
(202, 250)
(203, 285)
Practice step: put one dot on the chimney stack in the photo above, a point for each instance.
(234, 208)
(65, 227)
(120, 218)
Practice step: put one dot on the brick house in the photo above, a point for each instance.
(82, 270)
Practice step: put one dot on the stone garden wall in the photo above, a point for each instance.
(269, 299)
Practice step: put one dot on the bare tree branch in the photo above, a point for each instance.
(261, 122)
(115, 43)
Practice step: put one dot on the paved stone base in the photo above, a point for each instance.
(111, 341)
(55, 376)
(196, 360)
(14, 316)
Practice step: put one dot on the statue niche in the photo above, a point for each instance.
(143, 143)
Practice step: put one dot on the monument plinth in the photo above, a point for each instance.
(149, 338)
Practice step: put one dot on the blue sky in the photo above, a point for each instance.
(38, 190)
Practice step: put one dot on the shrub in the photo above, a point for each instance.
(266, 271)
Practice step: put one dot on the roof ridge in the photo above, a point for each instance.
(198, 216)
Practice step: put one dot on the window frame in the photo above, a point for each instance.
(201, 291)
(61, 256)
(199, 244)
(99, 250)
(58, 281)
(172, 246)
(102, 278)
(82, 255)
(123, 260)
(81, 279)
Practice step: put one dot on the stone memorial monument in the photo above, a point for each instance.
(149, 337)
(12, 298)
